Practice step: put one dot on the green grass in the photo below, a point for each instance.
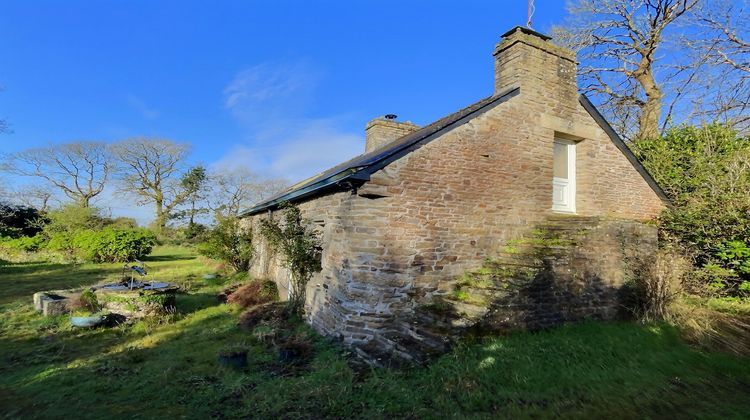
(168, 367)
(730, 305)
(727, 305)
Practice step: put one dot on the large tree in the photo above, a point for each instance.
(151, 169)
(238, 188)
(79, 170)
(195, 184)
(619, 44)
(720, 43)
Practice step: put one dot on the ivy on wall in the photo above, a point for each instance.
(295, 240)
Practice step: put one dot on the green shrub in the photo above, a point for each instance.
(229, 242)
(299, 245)
(61, 241)
(25, 243)
(704, 172)
(736, 256)
(83, 233)
(72, 218)
(735, 260)
(113, 245)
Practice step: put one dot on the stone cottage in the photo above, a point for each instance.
(518, 211)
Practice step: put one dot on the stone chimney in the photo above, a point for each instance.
(383, 130)
(543, 70)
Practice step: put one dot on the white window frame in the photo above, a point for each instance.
(571, 180)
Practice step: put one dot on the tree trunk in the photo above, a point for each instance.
(192, 213)
(160, 223)
(648, 121)
(650, 112)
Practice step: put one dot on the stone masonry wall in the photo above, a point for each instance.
(408, 235)
(568, 269)
(381, 131)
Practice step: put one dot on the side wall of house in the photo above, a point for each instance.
(335, 303)
(444, 208)
(406, 235)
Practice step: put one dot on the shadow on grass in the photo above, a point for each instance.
(193, 302)
(172, 257)
(589, 370)
(22, 281)
(173, 371)
(56, 342)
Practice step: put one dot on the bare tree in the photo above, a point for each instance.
(721, 46)
(79, 170)
(618, 43)
(236, 189)
(36, 196)
(151, 170)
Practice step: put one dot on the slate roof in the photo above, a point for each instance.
(358, 170)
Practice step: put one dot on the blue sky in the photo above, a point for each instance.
(284, 87)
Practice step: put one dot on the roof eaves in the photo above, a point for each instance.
(301, 193)
(617, 140)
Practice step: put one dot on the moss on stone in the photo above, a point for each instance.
(438, 306)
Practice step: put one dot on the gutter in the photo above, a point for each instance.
(333, 180)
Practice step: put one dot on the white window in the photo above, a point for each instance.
(564, 176)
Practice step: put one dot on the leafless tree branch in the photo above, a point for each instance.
(79, 170)
(149, 169)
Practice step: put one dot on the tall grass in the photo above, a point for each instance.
(656, 281)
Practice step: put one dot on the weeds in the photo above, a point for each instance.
(256, 292)
(655, 283)
(712, 327)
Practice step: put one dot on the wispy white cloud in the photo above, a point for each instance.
(270, 90)
(142, 108)
(311, 148)
(270, 100)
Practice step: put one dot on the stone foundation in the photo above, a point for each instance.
(567, 269)
(134, 303)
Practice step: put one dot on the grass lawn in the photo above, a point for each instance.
(167, 367)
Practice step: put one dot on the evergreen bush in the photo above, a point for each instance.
(229, 242)
(705, 172)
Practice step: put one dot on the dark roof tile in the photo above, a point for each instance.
(360, 167)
